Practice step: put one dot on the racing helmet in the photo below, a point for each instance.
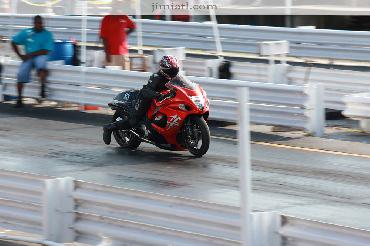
(169, 66)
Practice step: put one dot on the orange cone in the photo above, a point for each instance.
(89, 107)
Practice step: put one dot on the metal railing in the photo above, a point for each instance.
(357, 106)
(93, 214)
(271, 104)
(320, 43)
(338, 83)
(295, 231)
(21, 201)
(123, 214)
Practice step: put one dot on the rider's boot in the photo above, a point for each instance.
(142, 130)
(109, 128)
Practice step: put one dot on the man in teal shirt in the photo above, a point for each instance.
(37, 42)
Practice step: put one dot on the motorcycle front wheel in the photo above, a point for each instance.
(124, 138)
(196, 136)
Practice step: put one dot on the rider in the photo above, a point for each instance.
(168, 69)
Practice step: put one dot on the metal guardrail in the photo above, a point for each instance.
(245, 71)
(196, 67)
(338, 83)
(21, 201)
(88, 213)
(272, 104)
(123, 214)
(93, 214)
(296, 232)
(250, 71)
(321, 43)
(357, 106)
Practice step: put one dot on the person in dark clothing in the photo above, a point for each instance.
(224, 70)
(168, 69)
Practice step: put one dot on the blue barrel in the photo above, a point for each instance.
(63, 50)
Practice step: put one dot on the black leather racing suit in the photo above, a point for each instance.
(151, 90)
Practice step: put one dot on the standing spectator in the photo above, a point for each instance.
(114, 31)
(37, 42)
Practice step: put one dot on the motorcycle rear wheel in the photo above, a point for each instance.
(196, 130)
(124, 138)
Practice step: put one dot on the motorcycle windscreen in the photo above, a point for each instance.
(183, 82)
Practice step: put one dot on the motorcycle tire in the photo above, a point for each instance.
(125, 139)
(198, 124)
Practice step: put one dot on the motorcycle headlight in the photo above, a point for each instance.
(198, 101)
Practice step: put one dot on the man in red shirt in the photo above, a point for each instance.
(114, 30)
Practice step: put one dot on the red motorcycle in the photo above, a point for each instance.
(177, 123)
